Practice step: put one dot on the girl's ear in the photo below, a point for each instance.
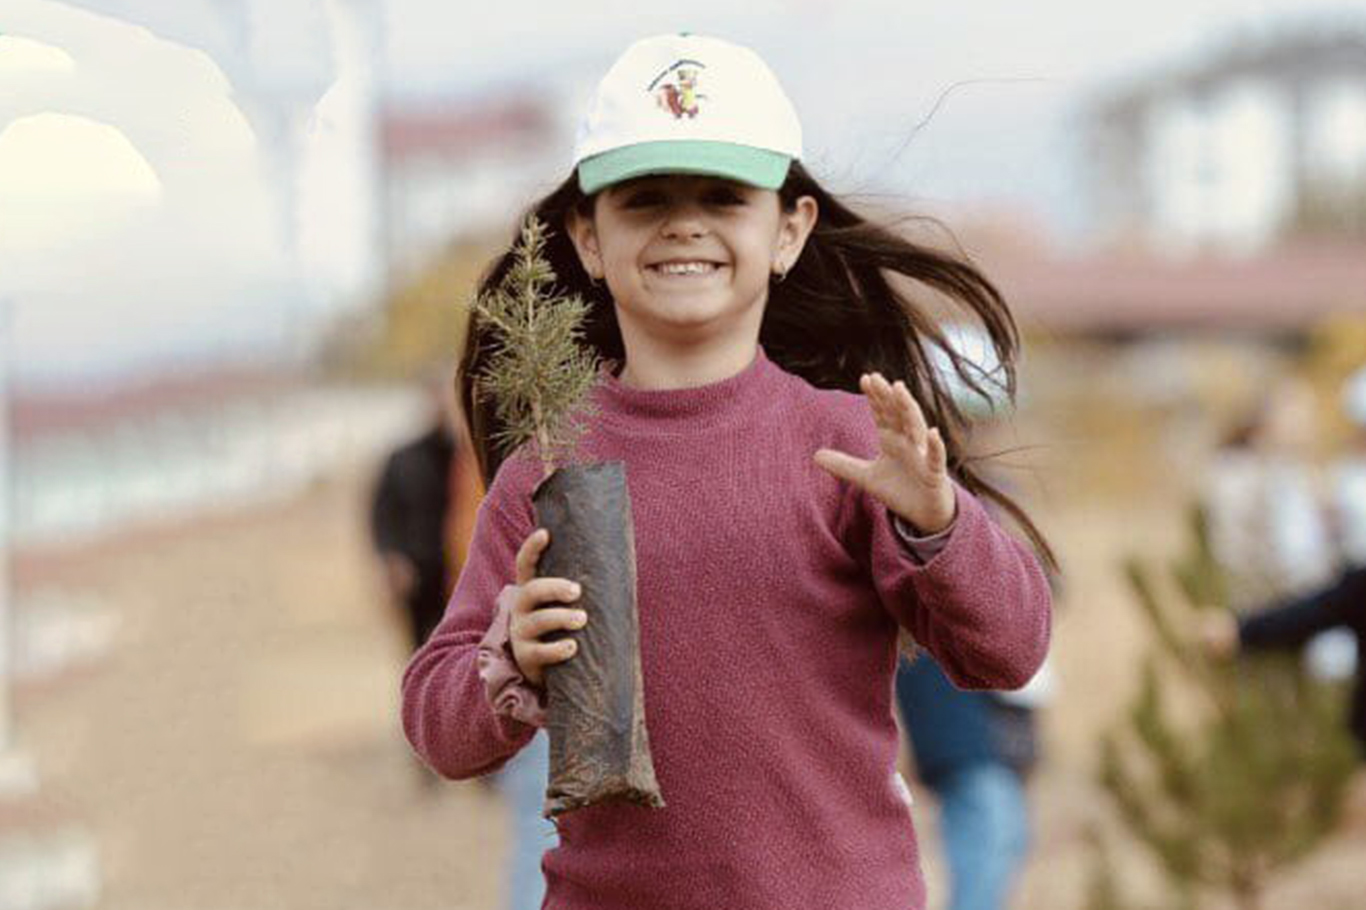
(583, 233)
(793, 229)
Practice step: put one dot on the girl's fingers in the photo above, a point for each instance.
(546, 590)
(885, 403)
(552, 652)
(936, 456)
(845, 467)
(912, 418)
(867, 384)
(540, 622)
(530, 554)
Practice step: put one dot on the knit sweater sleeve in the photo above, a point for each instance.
(981, 605)
(1293, 623)
(448, 716)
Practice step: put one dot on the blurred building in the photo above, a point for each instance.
(1231, 153)
(1277, 296)
(88, 465)
(260, 152)
(453, 168)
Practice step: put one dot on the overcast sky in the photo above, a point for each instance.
(164, 236)
(865, 75)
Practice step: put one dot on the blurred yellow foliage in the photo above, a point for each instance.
(1337, 348)
(421, 321)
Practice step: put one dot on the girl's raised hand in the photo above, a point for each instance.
(530, 621)
(910, 475)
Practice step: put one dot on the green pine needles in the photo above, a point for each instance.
(1229, 771)
(539, 375)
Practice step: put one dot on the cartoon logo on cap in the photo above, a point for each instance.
(675, 89)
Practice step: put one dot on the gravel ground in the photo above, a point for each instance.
(236, 746)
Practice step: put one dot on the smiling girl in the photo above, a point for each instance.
(798, 494)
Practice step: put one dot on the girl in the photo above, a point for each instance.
(786, 526)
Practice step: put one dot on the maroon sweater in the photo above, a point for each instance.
(770, 595)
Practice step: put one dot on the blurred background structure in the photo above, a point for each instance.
(1260, 142)
(234, 233)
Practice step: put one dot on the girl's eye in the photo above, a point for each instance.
(643, 199)
(725, 197)
(648, 198)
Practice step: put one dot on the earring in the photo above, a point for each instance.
(779, 273)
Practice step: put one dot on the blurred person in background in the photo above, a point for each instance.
(1268, 526)
(1348, 475)
(422, 508)
(1339, 605)
(974, 750)
(422, 519)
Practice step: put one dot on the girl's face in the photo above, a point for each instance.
(688, 257)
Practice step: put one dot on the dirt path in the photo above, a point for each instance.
(238, 749)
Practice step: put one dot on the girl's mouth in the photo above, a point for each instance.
(684, 267)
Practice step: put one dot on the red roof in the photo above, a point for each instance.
(41, 414)
(458, 130)
(1279, 290)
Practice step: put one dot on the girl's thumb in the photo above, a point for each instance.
(845, 467)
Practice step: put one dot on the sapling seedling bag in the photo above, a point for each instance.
(539, 378)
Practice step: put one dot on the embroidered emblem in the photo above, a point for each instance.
(675, 89)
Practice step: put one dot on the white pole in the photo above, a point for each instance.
(18, 775)
(6, 623)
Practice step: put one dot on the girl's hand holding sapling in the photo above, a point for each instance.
(910, 476)
(529, 620)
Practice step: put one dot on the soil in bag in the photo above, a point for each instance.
(595, 706)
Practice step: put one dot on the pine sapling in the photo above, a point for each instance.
(540, 374)
(539, 379)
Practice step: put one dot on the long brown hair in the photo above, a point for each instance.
(837, 315)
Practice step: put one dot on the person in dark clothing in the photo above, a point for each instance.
(1341, 605)
(422, 511)
(408, 526)
(974, 751)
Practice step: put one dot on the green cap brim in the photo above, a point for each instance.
(745, 164)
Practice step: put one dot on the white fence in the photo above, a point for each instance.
(77, 485)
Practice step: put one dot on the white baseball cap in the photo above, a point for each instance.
(688, 104)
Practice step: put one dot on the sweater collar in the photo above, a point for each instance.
(689, 407)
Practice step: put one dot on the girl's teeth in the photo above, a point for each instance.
(685, 268)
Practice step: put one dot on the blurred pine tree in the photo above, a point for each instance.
(1245, 782)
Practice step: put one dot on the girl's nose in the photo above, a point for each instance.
(684, 222)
